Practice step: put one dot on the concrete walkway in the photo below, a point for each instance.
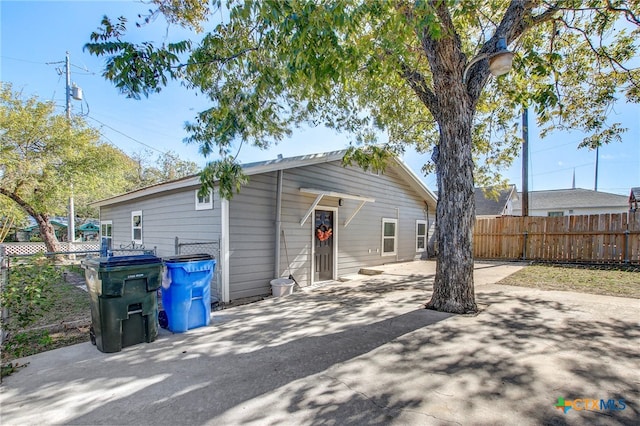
(359, 352)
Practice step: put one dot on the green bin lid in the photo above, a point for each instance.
(142, 259)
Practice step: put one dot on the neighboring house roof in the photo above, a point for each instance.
(88, 227)
(488, 205)
(53, 222)
(265, 167)
(571, 199)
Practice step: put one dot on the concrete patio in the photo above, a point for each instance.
(358, 352)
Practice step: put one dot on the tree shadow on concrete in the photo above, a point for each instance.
(360, 353)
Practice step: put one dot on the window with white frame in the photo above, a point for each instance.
(106, 229)
(204, 202)
(389, 236)
(421, 235)
(136, 227)
(555, 214)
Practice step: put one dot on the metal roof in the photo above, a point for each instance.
(265, 167)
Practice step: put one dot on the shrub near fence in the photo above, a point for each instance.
(604, 238)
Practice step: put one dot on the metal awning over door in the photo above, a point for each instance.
(320, 193)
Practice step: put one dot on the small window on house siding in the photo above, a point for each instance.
(204, 202)
(389, 236)
(106, 229)
(421, 235)
(555, 214)
(136, 227)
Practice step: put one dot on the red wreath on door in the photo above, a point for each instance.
(323, 233)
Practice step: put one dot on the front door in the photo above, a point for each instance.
(323, 237)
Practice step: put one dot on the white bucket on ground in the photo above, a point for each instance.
(282, 287)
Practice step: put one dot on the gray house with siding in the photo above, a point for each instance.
(324, 219)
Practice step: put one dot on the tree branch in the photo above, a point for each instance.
(516, 20)
(602, 53)
(216, 58)
(18, 200)
(420, 87)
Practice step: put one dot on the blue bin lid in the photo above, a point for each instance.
(188, 258)
(142, 259)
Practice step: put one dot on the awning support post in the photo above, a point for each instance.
(346, 222)
(313, 206)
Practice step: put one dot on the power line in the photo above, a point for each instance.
(24, 60)
(127, 136)
(561, 170)
(553, 147)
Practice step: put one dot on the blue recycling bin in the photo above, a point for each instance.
(186, 291)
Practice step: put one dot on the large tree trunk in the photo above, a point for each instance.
(453, 289)
(46, 229)
(47, 232)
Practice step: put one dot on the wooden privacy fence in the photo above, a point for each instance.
(604, 238)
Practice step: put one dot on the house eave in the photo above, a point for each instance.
(260, 168)
(191, 181)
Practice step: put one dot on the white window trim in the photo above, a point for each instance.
(395, 237)
(106, 222)
(133, 214)
(418, 223)
(204, 206)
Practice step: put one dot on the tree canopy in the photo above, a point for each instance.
(393, 72)
(361, 67)
(45, 158)
(161, 168)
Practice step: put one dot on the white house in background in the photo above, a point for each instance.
(326, 219)
(634, 198)
(571, 202)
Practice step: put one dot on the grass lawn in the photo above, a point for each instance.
(583, 279)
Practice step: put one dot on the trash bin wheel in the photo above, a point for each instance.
(163, 320)
(92, 335)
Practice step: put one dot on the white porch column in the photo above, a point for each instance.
(224, 249)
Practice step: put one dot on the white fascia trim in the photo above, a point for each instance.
(415, 179)
(163, 187)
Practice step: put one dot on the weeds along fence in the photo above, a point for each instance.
(604, 238)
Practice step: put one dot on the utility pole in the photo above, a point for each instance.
(525, 162)
(67, 70)
(595, 186)
(76, 93)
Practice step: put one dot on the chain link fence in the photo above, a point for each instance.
(211, 248)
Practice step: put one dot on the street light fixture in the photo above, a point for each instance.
(500, 62)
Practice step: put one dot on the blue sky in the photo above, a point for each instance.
(35, 34)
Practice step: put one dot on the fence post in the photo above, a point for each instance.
(177, 245)
(626, 246)
(524, 245)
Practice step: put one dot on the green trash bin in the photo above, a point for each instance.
(124, 304)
